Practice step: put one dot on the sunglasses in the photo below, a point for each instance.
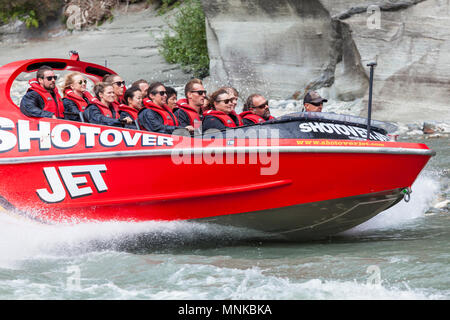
(161, 93)
(226, 101)
(317, 104)
(82, 81)
(50, 78)
(120, 83)
(200, 92)
(262, 106)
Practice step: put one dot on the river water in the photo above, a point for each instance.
(402, 253)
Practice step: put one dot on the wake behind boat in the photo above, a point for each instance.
(301, 176)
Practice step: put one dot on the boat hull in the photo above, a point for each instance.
(312, 221)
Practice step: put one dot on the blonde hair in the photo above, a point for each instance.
(68, 80)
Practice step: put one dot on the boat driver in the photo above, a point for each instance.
(256, 110)
(313, 102)
(42, 99)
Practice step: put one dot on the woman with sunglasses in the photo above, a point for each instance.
(102, 110)
(234, 96)
(221, 116)
(119, 88)
(76, 97)
(156, 116)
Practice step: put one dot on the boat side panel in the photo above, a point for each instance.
(156, 188)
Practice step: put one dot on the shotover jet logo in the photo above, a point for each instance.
(71, 183)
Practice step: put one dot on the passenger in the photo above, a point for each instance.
(133, 96)
(313, 102)
(119, 88)
(156, 115)
(221, 115)
(189, 111)
(42, 99)
(256, 110)
(102, 110)
(76, 97)
(143, 85)
(234, 96)
(205, 106)
(171, 98)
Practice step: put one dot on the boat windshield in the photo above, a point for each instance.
(340, 118)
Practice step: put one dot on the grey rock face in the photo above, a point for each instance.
(283, 48)
(275, 47)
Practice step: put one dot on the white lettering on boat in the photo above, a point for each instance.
(66, 136)
(8, 140)
(341, 129)
(72, 183)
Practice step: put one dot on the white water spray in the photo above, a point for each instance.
(424, 191)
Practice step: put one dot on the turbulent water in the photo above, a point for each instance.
(400, 254)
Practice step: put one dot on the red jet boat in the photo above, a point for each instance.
(303, 176)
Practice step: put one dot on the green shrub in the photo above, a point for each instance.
(167, 5)
(188, 46)
(32, 12)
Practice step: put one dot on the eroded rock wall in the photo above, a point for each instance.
(282, 48)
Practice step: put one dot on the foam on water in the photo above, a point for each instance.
(173, 280)
(424, 191)
(24, 239)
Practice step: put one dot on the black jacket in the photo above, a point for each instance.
(183, 117)
(71, 111)
(92, 114)
(123, 115)
(212, 122)
(32, 105)
(152, 121)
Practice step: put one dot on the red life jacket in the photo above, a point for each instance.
(164, 111)
(194, 116)
(253, 117)
(105, 110)
(226, 119)
(79, 101)
(130, 110)
(56, 107)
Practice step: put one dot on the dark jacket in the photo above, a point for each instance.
(71, 111)
(152, 121)
(92, 114)
(123, 115)
(247, 122)
(32, 105)
(183, 117)
(212, 122)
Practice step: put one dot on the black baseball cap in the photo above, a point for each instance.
(313, 97)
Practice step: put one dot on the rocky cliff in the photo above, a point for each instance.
(282, 48)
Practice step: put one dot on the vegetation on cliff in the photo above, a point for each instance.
(32, 12)
(186, 44)
(36, 13)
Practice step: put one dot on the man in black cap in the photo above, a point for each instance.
(313, 102)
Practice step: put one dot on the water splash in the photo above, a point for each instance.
(424, 191)
(23, 239)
